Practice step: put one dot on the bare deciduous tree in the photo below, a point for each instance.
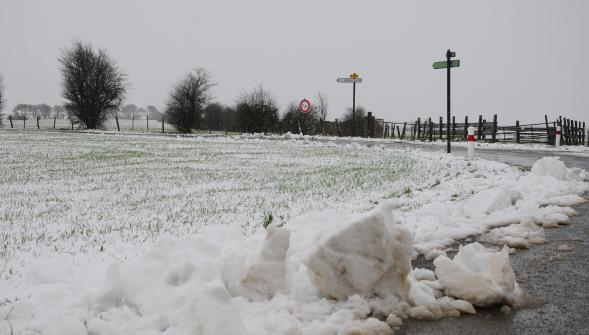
(321, 106)
(93, 84)
(257, 112)
(188, 100)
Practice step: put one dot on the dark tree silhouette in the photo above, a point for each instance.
(93, 84)
(188, 100)
(296, 122)
(213, 116)
(358, 121)
(257, 112)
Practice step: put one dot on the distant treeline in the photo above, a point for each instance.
(94, 88)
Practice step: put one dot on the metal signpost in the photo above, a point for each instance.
(447, 64)
(354, 78)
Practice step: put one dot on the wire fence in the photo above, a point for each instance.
(573, 132)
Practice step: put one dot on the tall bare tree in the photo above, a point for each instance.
(188, 100)
(321, 106)
(93, 84)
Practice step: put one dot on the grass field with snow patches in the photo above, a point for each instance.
(79, 193)
(75, 193)
(132, 234)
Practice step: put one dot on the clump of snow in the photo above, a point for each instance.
(265, 271)
(479, 276)
(555, 168)
(369, 256)
(517, 235)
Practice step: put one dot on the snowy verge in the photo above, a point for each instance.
(577, 150)
(322, 272)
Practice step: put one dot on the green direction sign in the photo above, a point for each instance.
(444, 64)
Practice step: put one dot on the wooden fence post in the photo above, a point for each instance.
(465, 127)
(10, 118)
(480, 128)
(132, 122)
(117, 119)
(548, 133)
(38, 128)
(72, 124)
(147, 120)
(24, 122)
(517, 131)
(584, 133)
(494, 129)
(419, 128)
(404, 126)
(441, 120)
(563, 126)
(54, 122)
(431, 129)
(163, 130)
(453, 128)
(567, 131)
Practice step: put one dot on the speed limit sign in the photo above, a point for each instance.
(305, 106)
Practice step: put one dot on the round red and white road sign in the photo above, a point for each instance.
(305, 106)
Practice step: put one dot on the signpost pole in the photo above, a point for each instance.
(353, 109)
(448, 54)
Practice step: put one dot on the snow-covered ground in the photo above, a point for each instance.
(563, 149)
(106, 234)
(577, 150)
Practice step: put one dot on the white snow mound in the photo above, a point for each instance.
(479, 276)
(371, 255)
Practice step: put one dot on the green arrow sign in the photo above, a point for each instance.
(444, 64)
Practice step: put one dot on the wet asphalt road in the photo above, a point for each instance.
(556, 282)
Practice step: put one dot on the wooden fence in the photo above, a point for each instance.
(573, 132)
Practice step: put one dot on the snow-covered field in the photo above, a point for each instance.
(108, 234)
(577, 150)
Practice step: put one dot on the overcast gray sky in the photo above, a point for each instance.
(520, 59)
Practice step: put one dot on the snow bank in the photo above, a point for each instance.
(479, 276)
(369, 256)
(324, 272)
(517, 235)
(539, 197)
